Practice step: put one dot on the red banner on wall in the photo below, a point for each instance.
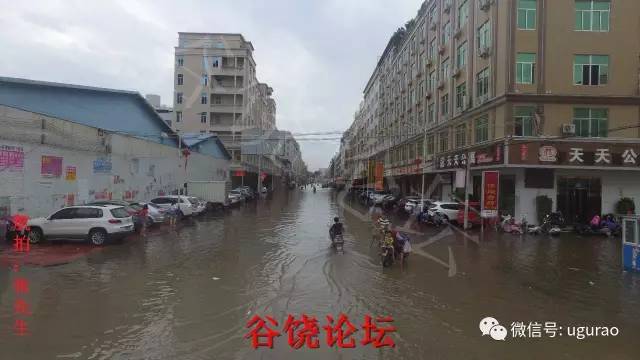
(239, 173)
(379, 176)
(490, 188)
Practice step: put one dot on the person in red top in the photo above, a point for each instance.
(144, 214)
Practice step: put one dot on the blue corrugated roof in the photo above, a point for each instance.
(112, 110)
(208, 144)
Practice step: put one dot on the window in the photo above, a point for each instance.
(88, 213)
(444, 141)
(215, 119)
(119, 213)
(525, 68)
(216, 61)
(430, 145)
(482, 129)
(432, 81)
(446, 33)
(203, 118)
(205, 80)
(445, 69)
(217, 100)
(67, 213)
(179, 61)
(591, 122)
(593, 15)
(461, 56)
(445, 105)
(461, 135)
(180, 79)
(484, 36)
(432, 113)
(483, 83)
(432, 50)
(461, 96)
(178, 116)
(203, 98)
(523, 120)
(527, 14)
(179, 98)
(591, 69)
(463, 14)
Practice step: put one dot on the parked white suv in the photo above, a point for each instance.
(186, 207)
(94, 223)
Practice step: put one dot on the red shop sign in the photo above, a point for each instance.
(490, 187)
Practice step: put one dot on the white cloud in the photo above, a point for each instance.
(317, 55)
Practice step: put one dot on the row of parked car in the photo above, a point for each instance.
(242, 193)
(449, 211)
(100, 221)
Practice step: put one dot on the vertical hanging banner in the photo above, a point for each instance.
(379, 176)
(490, 188)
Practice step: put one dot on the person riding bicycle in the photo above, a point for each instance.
(336, 229)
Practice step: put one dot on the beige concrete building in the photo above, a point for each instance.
(216, 91)
(537, 89)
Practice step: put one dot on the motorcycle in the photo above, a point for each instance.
(387, 251)
(509, 225)
(338, 243)
(551, 224)
(432, 217)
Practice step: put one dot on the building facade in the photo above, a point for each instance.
(544, 91)
(64, 145)
(216, 91)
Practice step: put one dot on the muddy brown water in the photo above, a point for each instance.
(187, 294)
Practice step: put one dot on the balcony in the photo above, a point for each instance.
(228, 70)
(220, 88)
(226, 108)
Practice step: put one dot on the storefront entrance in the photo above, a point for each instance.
(579, 198)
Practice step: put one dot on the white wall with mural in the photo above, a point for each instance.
(48, 163)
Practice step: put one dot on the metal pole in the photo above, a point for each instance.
(466, 196)
(424, 157)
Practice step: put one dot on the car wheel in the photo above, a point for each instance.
(97, 237)
(35, 235)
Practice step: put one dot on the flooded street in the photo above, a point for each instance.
(188, 294)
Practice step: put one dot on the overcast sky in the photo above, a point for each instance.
(316, 54)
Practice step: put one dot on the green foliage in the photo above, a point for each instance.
(625, 205)
(544, 205)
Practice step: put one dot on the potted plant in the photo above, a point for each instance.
(625, 206)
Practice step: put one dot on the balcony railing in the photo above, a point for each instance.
(226, 107)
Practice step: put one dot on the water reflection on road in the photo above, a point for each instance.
(187, 294)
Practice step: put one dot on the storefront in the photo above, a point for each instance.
(581, 178)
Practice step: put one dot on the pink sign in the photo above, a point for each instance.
(11, 158)
(51, 166)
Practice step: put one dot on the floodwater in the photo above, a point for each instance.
(188, 293)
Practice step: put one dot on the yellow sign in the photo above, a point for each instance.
(70, 173)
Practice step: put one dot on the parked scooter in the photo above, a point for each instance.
(432, 217)
(509, 225)
(551, 224)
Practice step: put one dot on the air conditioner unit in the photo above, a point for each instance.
(429, 62)
(457, 72)
(441, 85)
(485, 4)
(428, 95)
(442, 49)
(485, 52)
(568, 129)
(458, 33)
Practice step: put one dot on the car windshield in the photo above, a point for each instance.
(119, 213)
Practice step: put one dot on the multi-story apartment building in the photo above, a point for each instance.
(216, 91)
(544, 91)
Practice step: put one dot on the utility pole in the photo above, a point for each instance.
(466, 195)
